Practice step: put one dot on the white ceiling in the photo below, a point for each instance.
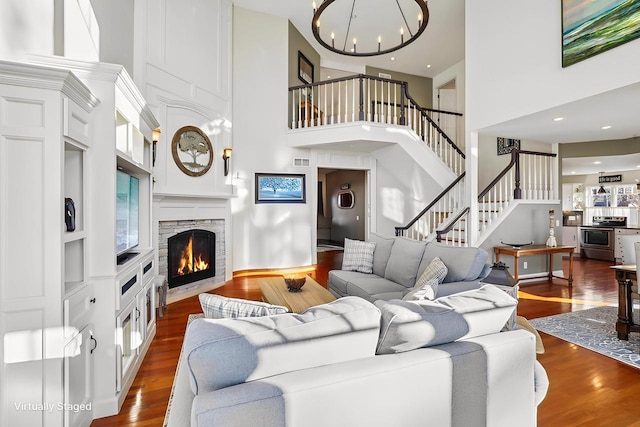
(442, 46)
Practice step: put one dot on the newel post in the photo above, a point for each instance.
(517, 192)
(403, 120)
(361, 113)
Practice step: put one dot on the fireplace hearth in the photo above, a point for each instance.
(191, 257)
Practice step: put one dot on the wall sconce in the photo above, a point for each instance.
(226, 155)
(155, 136)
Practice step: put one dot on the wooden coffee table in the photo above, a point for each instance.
(274, 291)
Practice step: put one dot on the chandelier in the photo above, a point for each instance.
(347, 28)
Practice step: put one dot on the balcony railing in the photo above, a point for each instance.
(377, 100)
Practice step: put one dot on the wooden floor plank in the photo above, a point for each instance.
(586, 388)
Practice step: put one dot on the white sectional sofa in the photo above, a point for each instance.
(355, 363)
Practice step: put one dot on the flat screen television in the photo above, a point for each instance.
(127, 212)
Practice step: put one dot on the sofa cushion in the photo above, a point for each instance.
(404, 260)
(224, 352)
(449, 288)
(463, 263)
(367, 287)
(338, 279)
(407, 325)
(358, 256)
(219, 307)
(381, 253)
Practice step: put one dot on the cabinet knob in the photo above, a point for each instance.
(92, 300)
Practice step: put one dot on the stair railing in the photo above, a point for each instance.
(373, 99)
(423, 226)
(529, 175)
(455, 232)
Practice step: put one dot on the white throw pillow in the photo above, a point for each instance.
(358, 256)
(427, 291)
(219, 307)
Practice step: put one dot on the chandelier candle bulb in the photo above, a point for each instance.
(401, 35)
(354, 44)
(333, 40)
(419, 19)
(379, 40)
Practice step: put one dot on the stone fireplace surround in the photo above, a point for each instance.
(174, 214)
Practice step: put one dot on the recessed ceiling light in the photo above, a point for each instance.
(429, 66)
(558, 119)
(393, 58)
(573, 172)
(606, 127)
(328, 77)
(597, 162)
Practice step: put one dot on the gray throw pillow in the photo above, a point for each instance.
(219, 307)
(358, 256)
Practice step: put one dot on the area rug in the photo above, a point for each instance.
(593, 329)
(191, 318)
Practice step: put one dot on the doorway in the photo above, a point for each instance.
(342, 206)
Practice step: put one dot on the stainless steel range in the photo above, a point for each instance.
(597, 239)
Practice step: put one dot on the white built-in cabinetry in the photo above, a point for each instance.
(74, 323)
(122, 129)
(47, 301)
(571, 237)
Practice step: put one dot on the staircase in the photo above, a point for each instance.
(449, 217)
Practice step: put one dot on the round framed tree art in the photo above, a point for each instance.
(192, 151)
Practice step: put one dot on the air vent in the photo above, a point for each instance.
(384, 75)
(301, 162)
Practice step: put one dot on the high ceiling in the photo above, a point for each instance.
(442, 46)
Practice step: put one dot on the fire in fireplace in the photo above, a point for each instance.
(191, 257)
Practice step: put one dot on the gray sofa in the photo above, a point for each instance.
(354, 363)
(398, 261)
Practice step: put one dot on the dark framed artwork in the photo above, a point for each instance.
(192, 151)
(280, 188)
(593, 27)
(305, 69)
(507, 145)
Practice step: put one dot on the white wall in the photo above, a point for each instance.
(62, 27)
(183, 69)
(265, 235)
(513, 62)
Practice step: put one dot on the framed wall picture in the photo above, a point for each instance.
(305, 69)
(280, 188)
(507, 145)
(192, 151)
(593, 27)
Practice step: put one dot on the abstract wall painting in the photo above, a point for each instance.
(592, 27)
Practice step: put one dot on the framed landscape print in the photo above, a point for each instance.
(280, 188)
(592, 27)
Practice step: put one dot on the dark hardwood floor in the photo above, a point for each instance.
(586, 388)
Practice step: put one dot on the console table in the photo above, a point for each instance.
(531, 250)
(625, 275)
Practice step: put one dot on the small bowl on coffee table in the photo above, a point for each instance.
(295, 284)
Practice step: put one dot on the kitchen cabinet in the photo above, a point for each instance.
(571, 237)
